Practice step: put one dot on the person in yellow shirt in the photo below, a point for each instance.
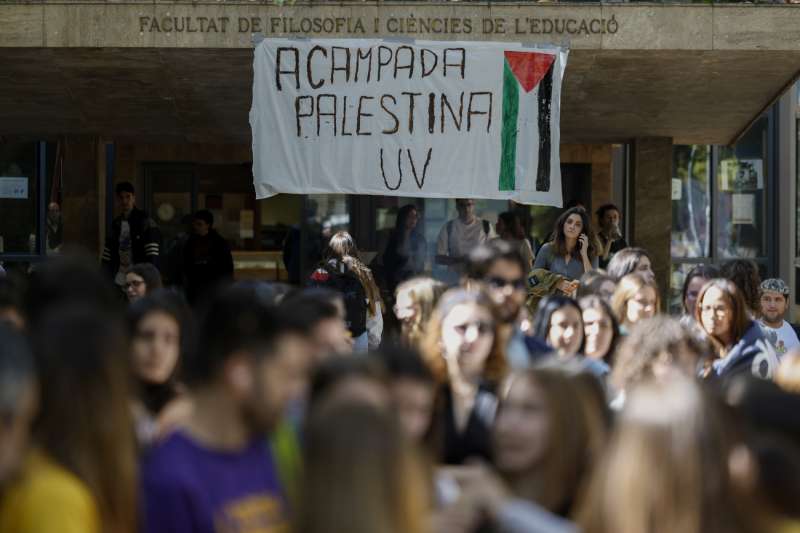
(81, 473)
(48, 498)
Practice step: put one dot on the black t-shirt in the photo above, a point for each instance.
(475, 440)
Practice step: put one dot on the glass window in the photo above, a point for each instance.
(741, 202)
(18, 201)
(324, 215)
(724, 218)
(691, 205)
(171, 190)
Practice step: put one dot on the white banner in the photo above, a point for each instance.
(432, 119)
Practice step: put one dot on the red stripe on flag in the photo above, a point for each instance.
(529, 67)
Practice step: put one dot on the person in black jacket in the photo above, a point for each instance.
(135, 237)
(207, 258)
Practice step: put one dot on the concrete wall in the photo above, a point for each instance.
(130, 156)
(230, 25)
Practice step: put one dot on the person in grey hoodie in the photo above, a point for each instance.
(739, 343)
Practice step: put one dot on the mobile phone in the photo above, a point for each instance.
(579, 245)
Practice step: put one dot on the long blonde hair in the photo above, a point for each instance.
(666, 469)
(362, 475)
(424, 293)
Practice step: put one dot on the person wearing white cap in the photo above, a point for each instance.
(774, 301)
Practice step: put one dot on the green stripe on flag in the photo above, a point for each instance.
(508, 136)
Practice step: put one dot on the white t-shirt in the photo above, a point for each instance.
(783, 338)
(125, 252)
(457, 239)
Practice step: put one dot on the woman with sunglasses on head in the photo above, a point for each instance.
(465, 353)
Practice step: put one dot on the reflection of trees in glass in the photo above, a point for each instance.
(690, 214)
(737, 173)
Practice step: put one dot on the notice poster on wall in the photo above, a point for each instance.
(741, 174)
(14, 188)
(431, 119)
(744, 208)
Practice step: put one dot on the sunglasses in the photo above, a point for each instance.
(500, 283)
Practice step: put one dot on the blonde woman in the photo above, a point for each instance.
(415, 301)
(635, 299)
(673, 465)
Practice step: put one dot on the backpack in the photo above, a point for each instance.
(334, 275)
(486, 230)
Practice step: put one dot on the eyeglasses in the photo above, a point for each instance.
(500, 283)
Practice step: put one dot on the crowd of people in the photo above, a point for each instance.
(535, 395)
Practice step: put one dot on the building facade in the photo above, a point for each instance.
(680, 114)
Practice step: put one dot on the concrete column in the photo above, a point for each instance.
(650, 208)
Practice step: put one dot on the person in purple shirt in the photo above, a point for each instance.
(216, 475)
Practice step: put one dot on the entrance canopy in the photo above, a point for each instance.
(182, 72)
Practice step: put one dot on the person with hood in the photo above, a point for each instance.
(739, 343)
(207, 258)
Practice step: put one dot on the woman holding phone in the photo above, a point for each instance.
(571, 252)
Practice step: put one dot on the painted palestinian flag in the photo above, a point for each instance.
(527, 98)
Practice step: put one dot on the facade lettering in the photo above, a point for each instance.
(410, 25)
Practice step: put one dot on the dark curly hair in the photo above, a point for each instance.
(744, 274)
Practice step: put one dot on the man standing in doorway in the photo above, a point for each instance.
(610, 240)
(207, 258)
(134, 237)
(774, 301)
(459, 236)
